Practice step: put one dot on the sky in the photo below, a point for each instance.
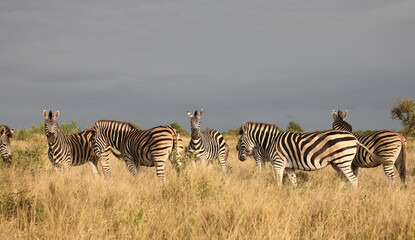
(149, 62)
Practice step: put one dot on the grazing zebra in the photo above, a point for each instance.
(259, 156)
(5, 134)
(208, 144)
(66, 150)
(388, 144)
(149, 148)
(303, 151)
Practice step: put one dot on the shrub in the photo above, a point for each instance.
(180, 130)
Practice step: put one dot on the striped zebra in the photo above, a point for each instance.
(259, 157)
(388, 144)
(5, 134)
(149, 148)
(303, 151)
(206, 145)
(66, 150)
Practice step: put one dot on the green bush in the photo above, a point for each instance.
(24, 134)
(180, 130)
(231, 133)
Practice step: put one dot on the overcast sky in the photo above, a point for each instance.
(150, 62)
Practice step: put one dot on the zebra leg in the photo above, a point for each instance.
(278, 166)
(389, 171)
(159, 158)
(94, 168)
(258, 161)
(131, 166)
(103, 159)
(223, 157)
(355, 169)
(340, 173)
(346, 170)
(291, 175)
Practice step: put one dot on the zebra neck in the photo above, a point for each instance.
(58, 140)
(266, 141)
(196, 143)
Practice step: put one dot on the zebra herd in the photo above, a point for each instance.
(345, 151)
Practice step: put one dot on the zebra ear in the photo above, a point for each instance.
(344, 114)
(2, 130)
(334, 114)
(201, 112)
(189, 114)
(56, 115)
(45, 114)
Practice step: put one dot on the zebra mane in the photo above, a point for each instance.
(50, 114)
(250, 125)
(119, 122)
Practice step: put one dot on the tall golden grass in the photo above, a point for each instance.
(201, 203)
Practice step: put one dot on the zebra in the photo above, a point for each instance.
(5, 134)
(66, 150)
(303, 151)
(208, 144)
(259, 157)
(388, 144)
(149, 148)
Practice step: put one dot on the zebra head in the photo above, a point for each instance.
(339, 122)
(51, 126)
(195, 122)
(5, 135)
(245, 145)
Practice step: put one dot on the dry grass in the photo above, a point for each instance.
(202, 203)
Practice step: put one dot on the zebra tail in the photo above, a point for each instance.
(402, 166)
(377, 158)
(175, 149)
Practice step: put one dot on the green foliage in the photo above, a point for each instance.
(367, 132)
(180, 130)
(135, 125)
(25, 134)
(404, 111)
(294, 127)
(69, 128)
(30, 158)
(231, 133)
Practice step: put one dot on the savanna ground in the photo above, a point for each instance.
(202, 203)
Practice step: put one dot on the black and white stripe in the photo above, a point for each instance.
(206, 145)
(66, 150)
(149, 148)
(259, 157)
(387, 144)
(303, 151)
(5, 134)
